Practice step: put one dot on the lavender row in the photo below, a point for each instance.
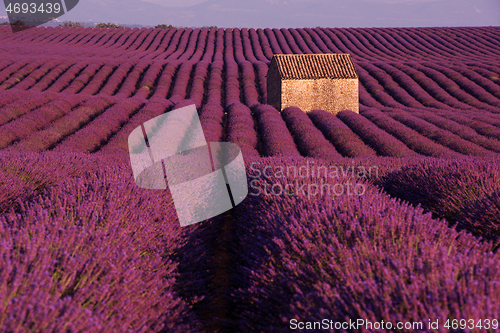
(283, 44)
(160, 42)
(346, 43)
(345, 141)
(467, 85)
(181, 82)
(67, 125)
(118, 143)
(212, 122)
(382, 142)
(35, 74)
(466, 46)
(356, 44)
(260, 37)
(83, 79)
(248, 82)
(231, 82)
(241, 130)
(170, 44)
(197, 45)
(410, 86)
(395, 91)
(486, 84)
(258, 45)
(91, 137)
(310, 141)
(374, 88)
(411, 138)
(63, 71)
(478, 125)
(439, 135)
(117, 78)
(273, 131)
(131, 38)
(12, 68)
(130, 83)
(462, 131)
(214, 88)
(181, 47)
(165, 81)
(305, 41)
(297, 46)
(189, 52)
(237, 46)
(273, 42)
(207, 53)
(252, 51)
(37, 119)
(433, 88)
(366, 99)
(21, 74)
(94, 85)
(219, 46)
(197, 91)
(452, 88)
(388, 45)
(318, 41)
(24, 105)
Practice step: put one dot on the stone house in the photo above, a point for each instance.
(313, 81)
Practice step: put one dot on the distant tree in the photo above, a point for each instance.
(211, 27)
(19, 23)
(71, 24)
(164, 26)
(108, 25)
(17, 26)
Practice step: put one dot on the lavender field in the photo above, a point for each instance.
(397, 218)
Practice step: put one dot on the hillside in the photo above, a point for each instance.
(86, 250)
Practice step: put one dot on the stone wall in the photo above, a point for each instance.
(332, 95)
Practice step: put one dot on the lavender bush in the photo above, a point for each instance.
(74, 260)
(438, 186)
(351, 257)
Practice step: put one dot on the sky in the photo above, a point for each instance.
(286, 13)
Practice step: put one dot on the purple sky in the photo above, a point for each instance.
(288, 13)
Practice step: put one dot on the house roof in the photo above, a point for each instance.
(314, 66)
